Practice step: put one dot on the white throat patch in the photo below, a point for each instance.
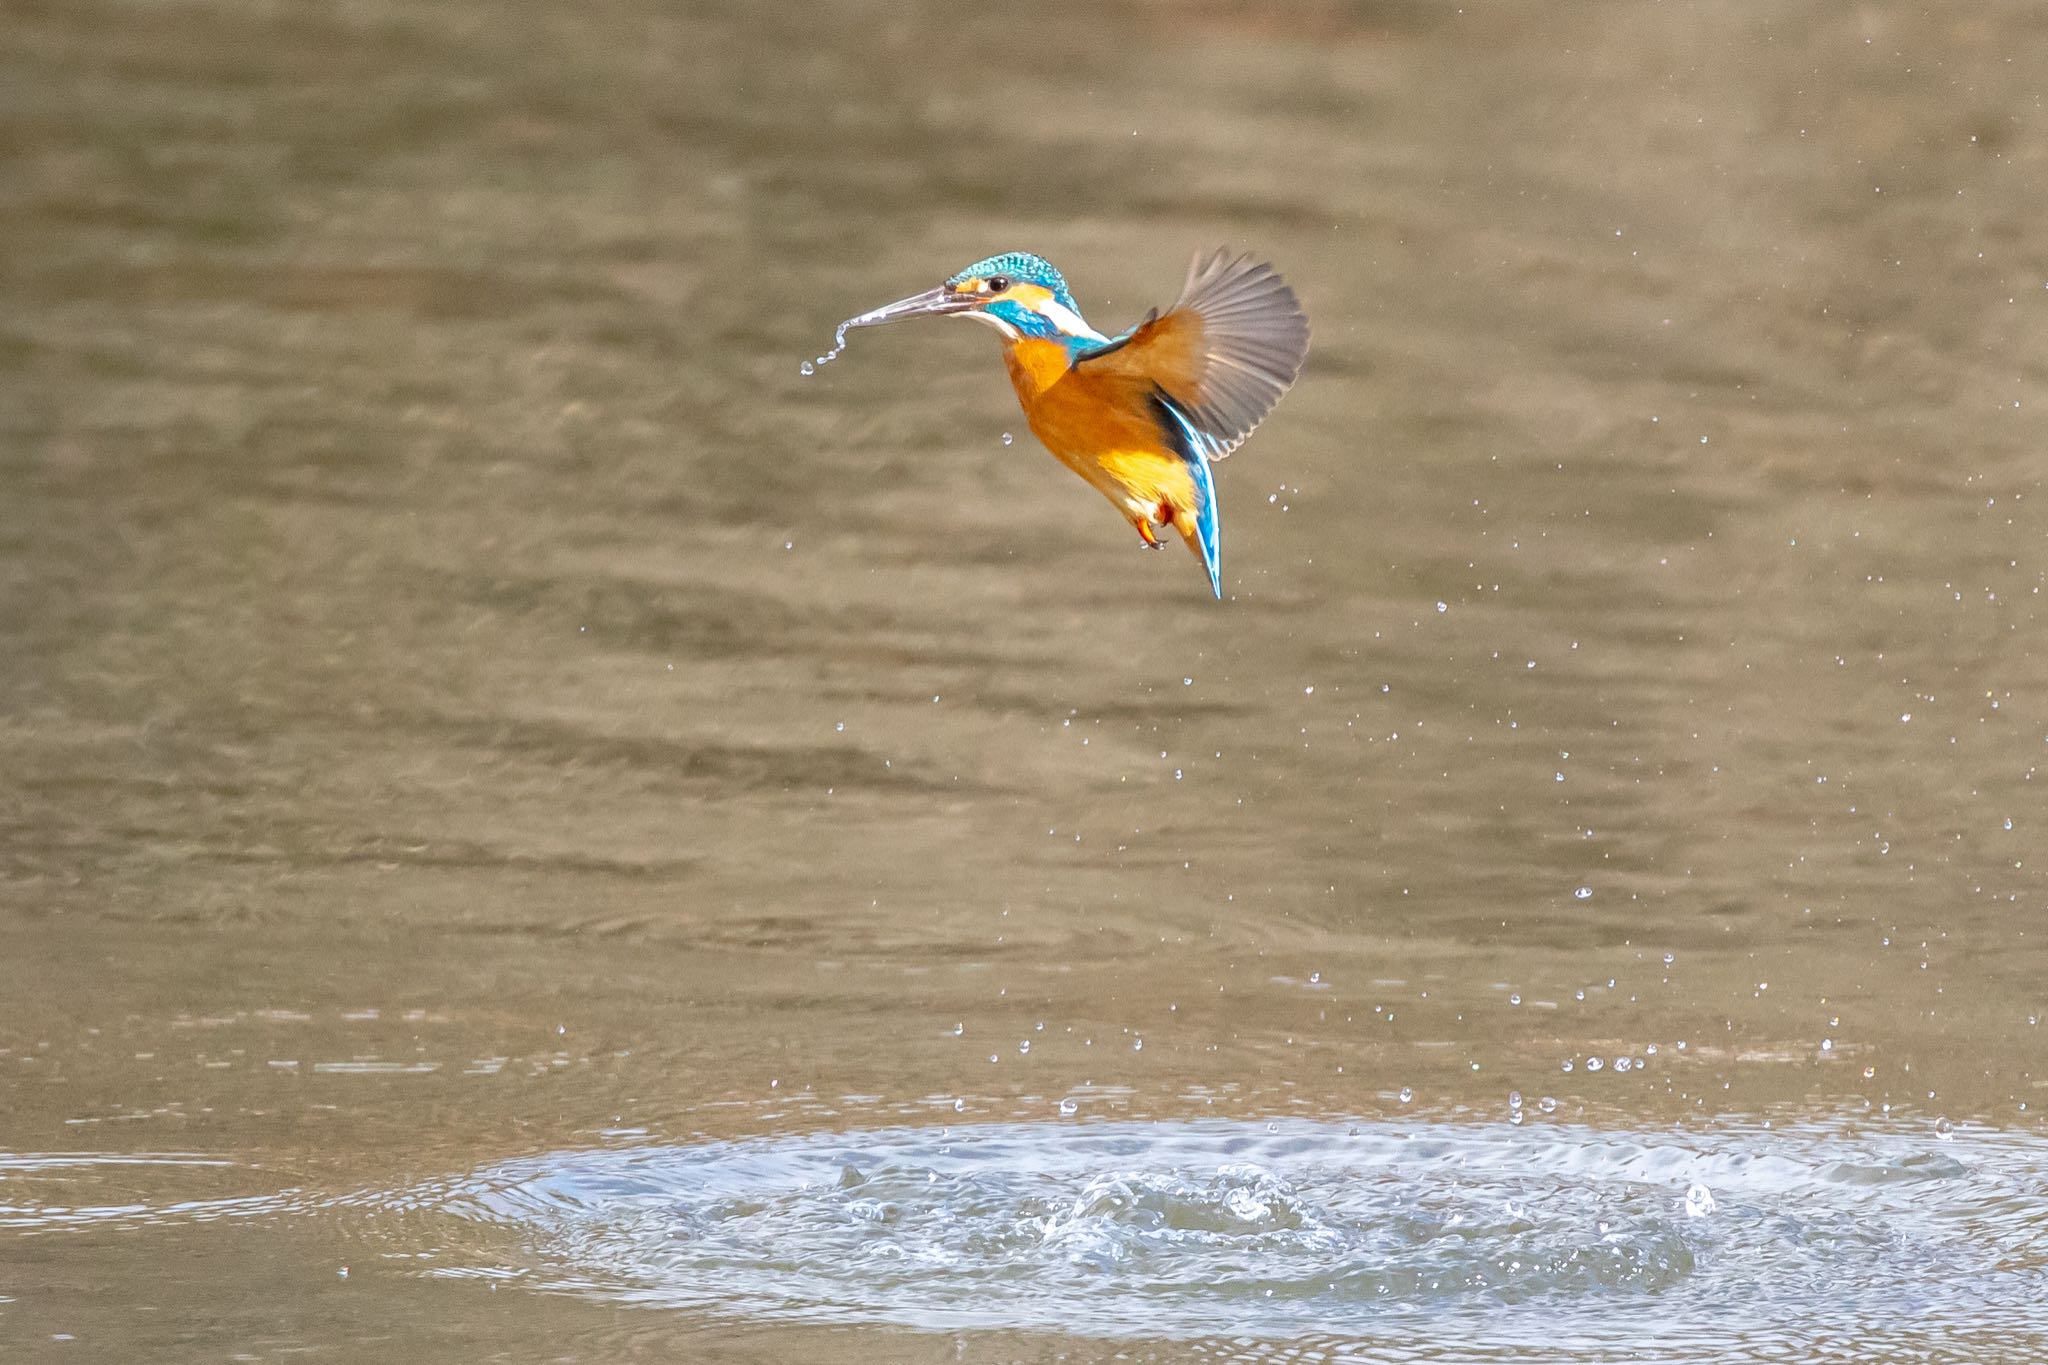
(1009, 333)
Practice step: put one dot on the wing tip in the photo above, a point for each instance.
(1258, 338)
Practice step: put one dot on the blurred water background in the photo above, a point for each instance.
(531, 831)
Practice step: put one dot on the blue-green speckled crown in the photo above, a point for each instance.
(1025, 267)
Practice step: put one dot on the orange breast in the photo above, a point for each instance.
(1102, 428)
(1076, 414)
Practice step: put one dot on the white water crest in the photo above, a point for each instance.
(1378, 1238)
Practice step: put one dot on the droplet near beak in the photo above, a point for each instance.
(936, 302)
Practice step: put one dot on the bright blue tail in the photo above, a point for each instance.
(1208, 523)
(1194, 445)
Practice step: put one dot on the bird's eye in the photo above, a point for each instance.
(998, 283)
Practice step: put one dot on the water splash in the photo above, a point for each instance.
(810, 367)
(1385, 1236)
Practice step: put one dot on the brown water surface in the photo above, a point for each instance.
(470, 711)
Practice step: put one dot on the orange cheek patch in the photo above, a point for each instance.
(1032, 296)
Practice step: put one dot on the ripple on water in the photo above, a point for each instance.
(1684, 1243)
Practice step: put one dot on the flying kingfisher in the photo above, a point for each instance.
(1140, 416)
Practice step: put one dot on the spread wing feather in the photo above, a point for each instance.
(1224, 352)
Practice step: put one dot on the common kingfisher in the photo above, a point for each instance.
(1141, 416)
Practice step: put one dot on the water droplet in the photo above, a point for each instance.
(1137, 1044)
(1827, 1045)
(1699, 1200)
(1514, 1116)
(959, 1029)
(1547, 1104)
(994, 1058)
(1515, 999)
(1007, 438)
(1024, 1046)
(1442, 607)
(1594, 1063)
(838, 345)
(1943, 1128)
(1068, 1108)
(1314, 978)
(1670, 958)
(1406, 1094)
(1623, 1063)
(959, 1106)
(1567, 1064)
(1308, 691)
(1583, 893)
(841, 726)
(1514, 1099)
(806, 368)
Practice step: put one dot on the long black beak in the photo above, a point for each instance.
(936, 302)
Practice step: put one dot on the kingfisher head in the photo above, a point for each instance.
(1017, 293)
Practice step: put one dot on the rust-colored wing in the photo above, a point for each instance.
(1224, 353)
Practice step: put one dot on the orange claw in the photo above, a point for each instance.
(1145, 534)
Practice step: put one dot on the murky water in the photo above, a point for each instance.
(529, 829)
